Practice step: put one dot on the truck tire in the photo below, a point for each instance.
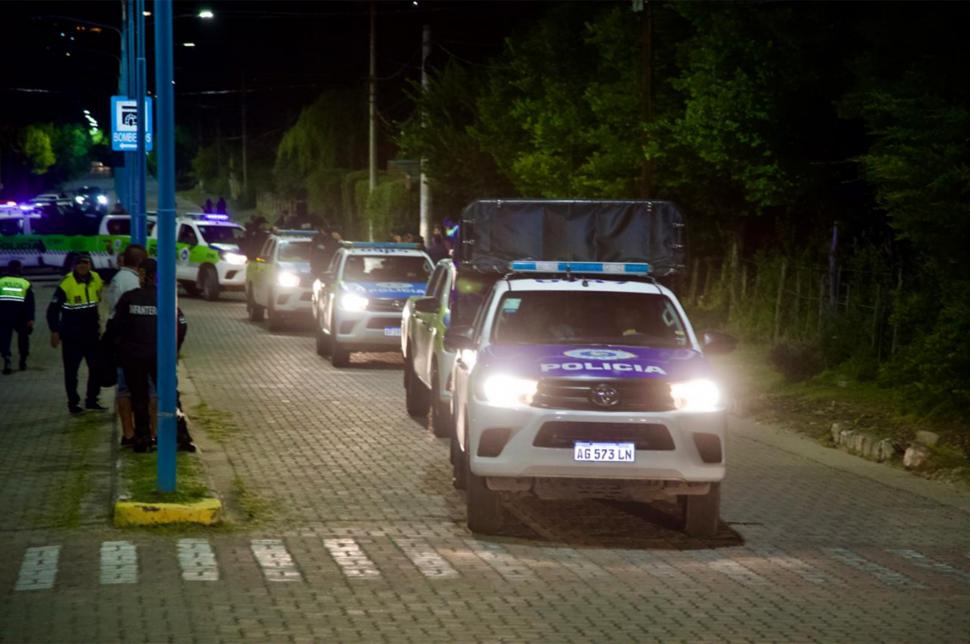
(323, 341)
(457, 465)
(702, 513)
(208, 283)
(274, 317)
(190, 288)
(440, 414)
(484, 507)
(255, 310)
(417, 395)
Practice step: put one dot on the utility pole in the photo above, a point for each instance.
(165, 321)
(138, 224)
(645, 9)
(425, 208)
(245, 165)
(372, 104)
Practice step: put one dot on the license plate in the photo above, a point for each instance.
(604, 452)
(392, 331)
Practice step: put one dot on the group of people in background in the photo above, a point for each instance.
(219, 208)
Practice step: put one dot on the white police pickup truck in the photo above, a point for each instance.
(586, 380)
(357, 303)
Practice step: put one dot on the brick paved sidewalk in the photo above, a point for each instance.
(55, 469)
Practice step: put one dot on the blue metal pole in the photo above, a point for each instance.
(129, 92)
(138, 226)
(165, 150)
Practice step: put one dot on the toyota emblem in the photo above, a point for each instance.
(604, 396)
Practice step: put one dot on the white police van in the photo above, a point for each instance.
(357, 302)
(586, 380)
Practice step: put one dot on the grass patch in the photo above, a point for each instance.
(252, 506)
(139, 479)
(217, 425)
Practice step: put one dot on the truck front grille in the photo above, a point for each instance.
(632, 394)
(646, 436)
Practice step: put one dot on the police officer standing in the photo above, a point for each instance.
(73, 319)
(16, 314)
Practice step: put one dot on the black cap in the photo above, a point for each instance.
(82, 257)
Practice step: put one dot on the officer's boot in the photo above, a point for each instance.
(6, 367)
(127, 420)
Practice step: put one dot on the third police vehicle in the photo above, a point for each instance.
(278, 281)
(208, 259)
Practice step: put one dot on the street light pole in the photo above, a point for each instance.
(138, 225)
(165, 142)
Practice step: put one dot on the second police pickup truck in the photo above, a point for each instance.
(581, 375)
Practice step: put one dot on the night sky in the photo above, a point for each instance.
(285, 52)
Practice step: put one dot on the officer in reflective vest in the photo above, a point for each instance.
(16, 314)
(73, 320)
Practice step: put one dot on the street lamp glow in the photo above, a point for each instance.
(188, 44)
(206, 14)
(146, 13)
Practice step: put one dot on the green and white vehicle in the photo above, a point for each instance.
(427, 364)
(52, 237)
(208, 257)
(279, 283)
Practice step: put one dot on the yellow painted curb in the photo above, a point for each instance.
(133, 513)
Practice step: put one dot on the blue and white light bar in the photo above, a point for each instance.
(399, 245)
(610, 268)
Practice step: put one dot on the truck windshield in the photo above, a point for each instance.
(295, 251)
(386, 268)
(221, 234)
(571, 317)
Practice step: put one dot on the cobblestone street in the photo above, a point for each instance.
(357, 533)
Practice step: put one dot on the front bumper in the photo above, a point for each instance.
(368, 331)
(296, 299)
(520, 457)
(231, 276)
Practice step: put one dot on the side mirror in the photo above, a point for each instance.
(716, 342)
(426, 305)
(458, 338)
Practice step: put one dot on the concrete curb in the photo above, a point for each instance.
(133, 513)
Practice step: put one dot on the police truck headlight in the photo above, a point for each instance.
(79, 199)
(234, 258)
(287, 279)
(353, 302)
(696, 395)
(501, 389)
(102, 200)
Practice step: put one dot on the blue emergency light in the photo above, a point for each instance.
(610, 268)
(398, 245)
(215, 216)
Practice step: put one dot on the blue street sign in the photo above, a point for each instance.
(124, 124)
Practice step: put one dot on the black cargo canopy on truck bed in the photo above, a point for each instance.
(496, 231)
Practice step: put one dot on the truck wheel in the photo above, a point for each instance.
(255, 310)
(457, 465)
(484, 507)
(440, 416)
(703, 512)
(190, 288)
(323, 341)
(417, 395)
(208, 283)
(275, 319)
(339, 357)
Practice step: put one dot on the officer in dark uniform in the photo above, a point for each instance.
(133, 331)
(73, 319)
(16, 314)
